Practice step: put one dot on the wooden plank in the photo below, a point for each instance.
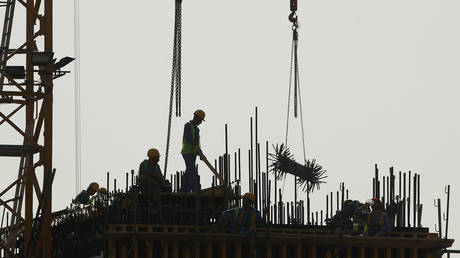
(186, 249)
(375, 253)
(197, 251)
(149, 246)
(414, 253)
(112, 252)
(209, 250)
(313, 253)
(164, 245)
(388, 252)
(269, 251)
(349, 252)
(298, 251)
(401, 253)
(237, 250)
(223, 250)
(362, 252)
(283, 251)
(123, 246)
(136, 250)
(175, 245)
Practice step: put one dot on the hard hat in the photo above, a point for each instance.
(94, 186)
(153, 153)
(200, 113)
(250, 197)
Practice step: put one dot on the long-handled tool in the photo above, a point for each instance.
(205, 160)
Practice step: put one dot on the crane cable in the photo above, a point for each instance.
(175, 75)
(294, 72)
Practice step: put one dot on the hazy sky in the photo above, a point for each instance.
(379, 85)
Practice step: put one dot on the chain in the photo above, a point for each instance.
(175, 76)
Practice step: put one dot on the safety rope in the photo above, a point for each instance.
(175, 75)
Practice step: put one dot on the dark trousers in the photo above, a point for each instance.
(190, 179)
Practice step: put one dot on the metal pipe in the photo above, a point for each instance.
(415, 201)
(308, 210)
(419, 210)
(327, 206)
(258, 172)
(236, 166)
(342, 190)
(266, 174)
(332, 211)
(108, 184)
(408, 199)
(239, 164)
(337, 200)
(321, 217)
(377, 190)
(439, 217)
(127, 183)
(404, 201)
(132, 178)
(251, 152)
(447, 191)
(383, 193)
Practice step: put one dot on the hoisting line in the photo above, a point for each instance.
(175, 75)
(294, 72)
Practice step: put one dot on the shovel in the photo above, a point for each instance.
(205, 160)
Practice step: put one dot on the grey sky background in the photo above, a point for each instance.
(379, 83)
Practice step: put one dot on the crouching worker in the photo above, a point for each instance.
(150, 176)
(377, 221)
(84, 196)
(343, 218)
(241, 220)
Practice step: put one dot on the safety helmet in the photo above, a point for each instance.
(153, 153)
(102, 190)
(200, 113)
(250, 197)
(94, 186)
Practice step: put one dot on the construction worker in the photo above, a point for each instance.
(241, 220)
(84, 196)
(377, 221)
(150, 175)
(343, 218)
(190, 149)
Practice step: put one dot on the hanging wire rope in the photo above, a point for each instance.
(175, 76)
(310, 174)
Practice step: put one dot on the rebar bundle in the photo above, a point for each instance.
(309, 176)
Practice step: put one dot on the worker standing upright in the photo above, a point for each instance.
(190, 149)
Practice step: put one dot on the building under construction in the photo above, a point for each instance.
(126, 222)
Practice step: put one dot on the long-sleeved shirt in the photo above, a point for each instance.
(147, 171)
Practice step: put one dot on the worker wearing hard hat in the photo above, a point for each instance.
(241, 220)
(377, 221)
(149, 171)
(190, 149)
(84, 196)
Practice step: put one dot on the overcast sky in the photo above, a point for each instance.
(379, 83)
